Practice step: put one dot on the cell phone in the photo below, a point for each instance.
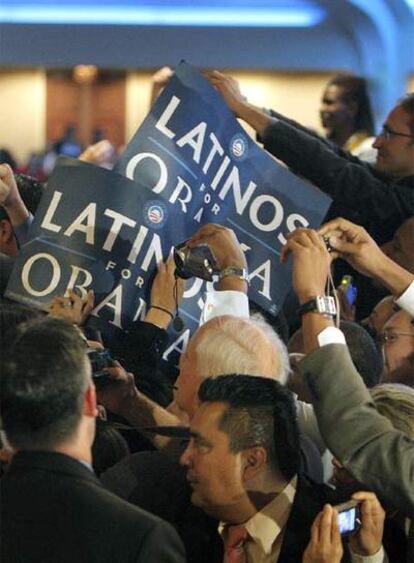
(349, 517)
(347, 284)
(100, 359)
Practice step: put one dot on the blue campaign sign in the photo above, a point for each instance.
(192, 152)
(96, 229)
(189, 163)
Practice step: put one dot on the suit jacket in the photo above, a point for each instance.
(364, 441)
(157, 483)
(309, 500)
(54, 510)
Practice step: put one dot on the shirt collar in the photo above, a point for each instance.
(86, 464)
(266, 525)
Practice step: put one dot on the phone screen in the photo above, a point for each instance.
(350, 289)
(346, 520)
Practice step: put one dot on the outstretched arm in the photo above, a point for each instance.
(229, 89)
(364, 441)
(350, 182)
(353, 244)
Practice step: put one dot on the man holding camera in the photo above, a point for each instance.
(53, 508)
(364, 441)
(243, 465)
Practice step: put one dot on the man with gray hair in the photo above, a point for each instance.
(154, 480)
(52, 506)
(228, 343)
(224, 344)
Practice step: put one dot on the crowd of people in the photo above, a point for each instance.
(280, 440)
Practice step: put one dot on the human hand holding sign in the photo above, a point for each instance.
(100, 154)
(230, 90)
(73, 307)
(10, 198)
(159, 81)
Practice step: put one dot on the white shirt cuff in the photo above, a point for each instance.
(331, 335)
(406, 300)
(378, 557)
(228, 302)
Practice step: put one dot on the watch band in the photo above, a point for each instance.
(322, 304)
(240, 273)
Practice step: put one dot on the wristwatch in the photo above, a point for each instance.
(240, 273)
(323, 304)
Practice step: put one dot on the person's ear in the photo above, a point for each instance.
(254, 461)
(90, 405)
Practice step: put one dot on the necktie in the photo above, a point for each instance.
(234, 544)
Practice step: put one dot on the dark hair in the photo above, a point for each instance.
(30, 190)
(6, 267)
(278, 322)
(6, 157)
(11, 316)
(355, 91)
(365, 355)
(42, 384)
(261, 412)
(407, 103)
(108, 448)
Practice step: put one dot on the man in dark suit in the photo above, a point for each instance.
(243, 461)
(53, 509)
(154, 480)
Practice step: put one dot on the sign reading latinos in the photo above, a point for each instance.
(193, 153)
(188, 164)
(95, 229)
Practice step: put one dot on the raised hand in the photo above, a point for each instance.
(325, 545)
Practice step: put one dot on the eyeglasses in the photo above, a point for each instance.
(389, 133)
(392, 336)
